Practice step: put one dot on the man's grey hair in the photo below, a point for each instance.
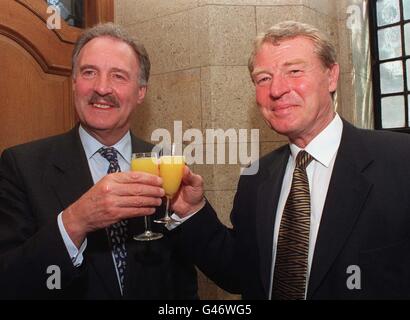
(292, 29)
(116, 32)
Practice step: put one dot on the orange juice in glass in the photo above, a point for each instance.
(146, 162)
(148, 165)
(171, 169)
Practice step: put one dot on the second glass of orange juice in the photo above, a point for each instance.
(171, 169)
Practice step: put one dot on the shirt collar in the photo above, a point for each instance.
(325, 145)
(92, 145)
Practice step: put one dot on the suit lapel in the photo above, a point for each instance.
(70, 175)
(347, 193)
(268, 196)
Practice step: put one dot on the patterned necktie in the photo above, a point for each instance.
(289, 278)
(117, 233)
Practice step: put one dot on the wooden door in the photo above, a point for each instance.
(35, 67)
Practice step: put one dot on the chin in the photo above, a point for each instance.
(283, 129)
(99, 125)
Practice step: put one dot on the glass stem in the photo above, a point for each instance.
(166, 210)
(147, 224)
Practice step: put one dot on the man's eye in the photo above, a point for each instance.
(295, 71)
(119, 76)
(263, 80)
(88, 73)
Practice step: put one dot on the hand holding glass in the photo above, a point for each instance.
(146, 162)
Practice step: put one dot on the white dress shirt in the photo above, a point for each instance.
(98, 167)
(323, 148)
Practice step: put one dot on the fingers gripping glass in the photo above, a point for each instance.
(146, 162)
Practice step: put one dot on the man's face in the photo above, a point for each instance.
(293, 88)
(106, 89)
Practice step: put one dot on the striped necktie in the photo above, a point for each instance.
(289, 278)
(117, 233)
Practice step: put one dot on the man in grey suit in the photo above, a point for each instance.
(59, 208)
(326, 216)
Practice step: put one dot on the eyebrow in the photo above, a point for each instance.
(258, 71)
(87, 66)
(91, 66)
(293, 62)
(125, 72)
(286, 64)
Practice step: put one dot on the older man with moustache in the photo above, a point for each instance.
(60, 209)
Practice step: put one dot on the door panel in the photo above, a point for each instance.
(35, 63)
(34, 104)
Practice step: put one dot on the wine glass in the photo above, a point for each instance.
(171, 169)
(146, 162)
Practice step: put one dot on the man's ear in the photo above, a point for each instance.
(334, 71)
(142, 90)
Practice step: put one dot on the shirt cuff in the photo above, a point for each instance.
(176, 220)
(76, 255)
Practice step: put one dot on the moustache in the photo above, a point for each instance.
(109, 99)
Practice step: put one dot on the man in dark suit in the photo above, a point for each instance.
(66, 226)
(326, 216)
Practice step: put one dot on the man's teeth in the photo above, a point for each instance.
(101, 106)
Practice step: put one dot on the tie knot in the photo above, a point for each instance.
(303, 159)
(109, 153)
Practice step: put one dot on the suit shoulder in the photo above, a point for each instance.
(385, 135)
(387, 142)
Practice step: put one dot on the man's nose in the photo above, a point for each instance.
(103, 85)
(279, 86)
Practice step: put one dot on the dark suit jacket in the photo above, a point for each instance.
(365, 223)
(40, 179)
